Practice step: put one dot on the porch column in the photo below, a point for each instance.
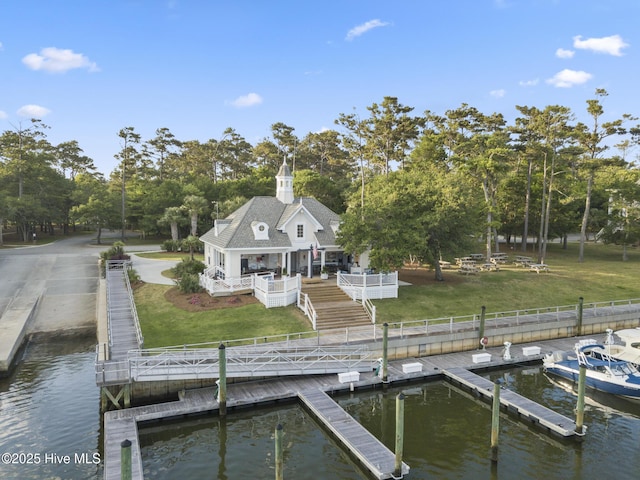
(322, 258)
(310, 264)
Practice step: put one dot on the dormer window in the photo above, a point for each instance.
(260, 230)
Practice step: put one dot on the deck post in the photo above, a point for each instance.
(279, 453)
(222, 387)
(580, 308)
(385, 341)
(580, 408)
(495, 422)
(397, 473)
(125, 460)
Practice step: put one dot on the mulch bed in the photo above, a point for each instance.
(200, 302)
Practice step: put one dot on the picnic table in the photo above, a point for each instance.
(468, 269)
(499, 257)
(491, 266)
(523, 261)
(539, 267)
(444, 264)
(476, 256)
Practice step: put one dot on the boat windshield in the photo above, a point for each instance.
(623, 369)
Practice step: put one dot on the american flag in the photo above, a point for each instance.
(315, 251)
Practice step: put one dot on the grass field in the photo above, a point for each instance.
(603, 276)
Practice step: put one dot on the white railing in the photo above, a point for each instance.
(122, 266)
(277, 293)
(247, 362)
(304, 304)
(375, 285)
(228, 285)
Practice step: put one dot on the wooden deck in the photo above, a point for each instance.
(367, 449)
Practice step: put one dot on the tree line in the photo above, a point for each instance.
(407, 185)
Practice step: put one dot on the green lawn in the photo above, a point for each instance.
(164, 325)
(603, 276)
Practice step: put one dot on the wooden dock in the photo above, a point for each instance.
(513, 402)
(313, 391)
(367, 449)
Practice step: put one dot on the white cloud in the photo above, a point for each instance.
(1, 47)
(611, 45)
(529, 83)
(3, 115)
(247, 100)
(498, 93)
(57, 60)
(364, 28)
(568, 78)
(33, 111)
(562, 53)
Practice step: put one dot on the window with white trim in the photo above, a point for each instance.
(300, 230)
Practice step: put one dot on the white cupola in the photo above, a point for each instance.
(284, 184)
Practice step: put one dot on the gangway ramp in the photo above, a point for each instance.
(244, 362)
(367, 449)
(513, 402)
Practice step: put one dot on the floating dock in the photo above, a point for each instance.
(513, 402)
(367, 449)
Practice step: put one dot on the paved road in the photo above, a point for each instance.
(66, 273)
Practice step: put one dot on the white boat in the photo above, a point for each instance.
(627, 348)
(603, 372)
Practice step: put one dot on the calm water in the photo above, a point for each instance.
(51, 405)
(49, 409)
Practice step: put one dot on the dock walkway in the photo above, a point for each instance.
(366, 448)
(513, 402)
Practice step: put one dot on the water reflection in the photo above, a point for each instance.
(50, 405)
(242, 446)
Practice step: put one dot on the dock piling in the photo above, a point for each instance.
(385, 358)
(125, 460)
(495, 422)
(279, 453)
(483, 310)
(580, 308)
(222, 387)
(580, 408)
(397, 473)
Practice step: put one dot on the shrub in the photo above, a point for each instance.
(133, 276)
(189, 283)
(171, 245)
(116, 252)
(188, 267)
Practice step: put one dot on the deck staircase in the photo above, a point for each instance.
(335, 309)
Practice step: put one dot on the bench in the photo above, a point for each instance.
(412, 367)
(445, 265)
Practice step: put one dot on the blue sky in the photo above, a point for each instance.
(90, 68)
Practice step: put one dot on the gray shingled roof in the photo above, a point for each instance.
(239, 234)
